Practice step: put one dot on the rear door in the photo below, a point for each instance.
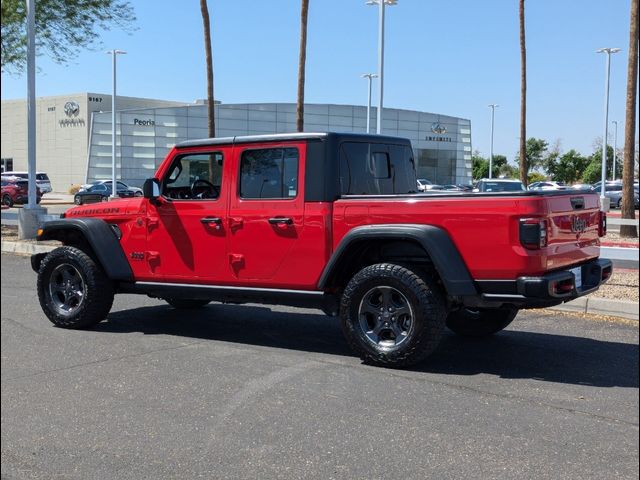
(266, 209)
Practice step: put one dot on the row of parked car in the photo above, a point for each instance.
(613, 189)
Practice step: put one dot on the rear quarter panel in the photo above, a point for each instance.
(485, 229)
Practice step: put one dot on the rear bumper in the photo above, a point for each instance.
(544, 291)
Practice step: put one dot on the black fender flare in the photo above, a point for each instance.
(436, 242)
(100, 237)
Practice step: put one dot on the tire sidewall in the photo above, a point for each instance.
(399, 355)
(7, 200)
(96, 294)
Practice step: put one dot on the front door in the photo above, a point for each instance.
(186, 227)
(266, 210)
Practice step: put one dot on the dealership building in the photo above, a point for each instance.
(73, 134)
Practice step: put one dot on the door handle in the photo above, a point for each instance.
(212, 221)
(281, 221)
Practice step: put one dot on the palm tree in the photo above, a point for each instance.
(524, 168)
(301, 65)
(211, 124)
(630, 126)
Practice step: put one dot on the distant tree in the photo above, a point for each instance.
(211, 121)
(509, 171)
(568, 168)
(630, 125)
(524, 169)
(592, 173)
(63, 28)
(535, 177)
(480, 166)
(302, 60)
(596, 157)
(535, 155)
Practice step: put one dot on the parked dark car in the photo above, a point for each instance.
(99, 192)
(16, 191)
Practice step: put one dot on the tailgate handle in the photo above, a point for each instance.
(577, 203)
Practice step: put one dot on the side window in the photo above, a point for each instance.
(269, 173)
(100, 188)
(376, 169)
(194, 176)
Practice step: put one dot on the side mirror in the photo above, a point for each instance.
(151, 188)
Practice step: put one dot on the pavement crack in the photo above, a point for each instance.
(103, 360)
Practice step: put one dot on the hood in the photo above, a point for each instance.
(113, 208)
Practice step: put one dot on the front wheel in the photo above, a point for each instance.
(186, 303)
(77, 200)
(391, 316)
(481, 322)
(73, 290)
(7, 200)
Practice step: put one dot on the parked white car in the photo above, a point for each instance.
(547, 185)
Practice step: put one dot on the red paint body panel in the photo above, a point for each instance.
(165, 240)
(484, 229)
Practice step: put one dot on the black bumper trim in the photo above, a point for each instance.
(536, 292)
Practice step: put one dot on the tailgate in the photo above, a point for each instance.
(574, 221)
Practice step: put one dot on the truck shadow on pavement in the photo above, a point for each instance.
(511, 354)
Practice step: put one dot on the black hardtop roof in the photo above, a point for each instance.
(281, 137)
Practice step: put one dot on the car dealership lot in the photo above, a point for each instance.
(252, 392)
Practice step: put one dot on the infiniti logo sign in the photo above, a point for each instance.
(437, 127)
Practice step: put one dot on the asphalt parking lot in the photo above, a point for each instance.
(255, 392)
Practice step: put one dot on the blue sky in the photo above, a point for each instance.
(449, 57)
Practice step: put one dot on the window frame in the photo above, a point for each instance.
(263, 199)
(179, 158)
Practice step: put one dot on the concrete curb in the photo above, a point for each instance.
(586, 305)
(601, 306)
(26, 247)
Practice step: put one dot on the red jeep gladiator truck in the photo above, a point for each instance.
(331, 221)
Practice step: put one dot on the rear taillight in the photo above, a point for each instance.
(602, 224)
(534, 233)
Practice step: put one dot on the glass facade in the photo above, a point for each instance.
(442, 144)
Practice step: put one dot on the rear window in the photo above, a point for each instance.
(376, 169)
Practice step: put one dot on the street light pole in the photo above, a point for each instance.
(603, 176)
(31, 104)
(492, 106)
(381, 4)
(370, 77)
(615, 151)
(114, 185)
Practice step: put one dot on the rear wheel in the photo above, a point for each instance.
(7, 200)
(480, 322)
(620, 204)
(186, 303)
(391, 316)
(73, 290)
(77, 200)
